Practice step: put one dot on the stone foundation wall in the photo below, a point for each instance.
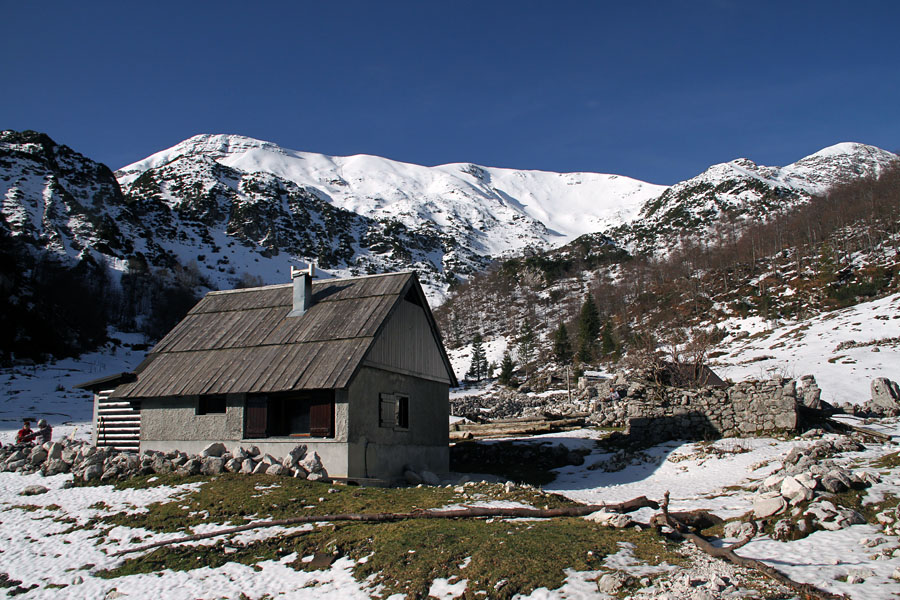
(654, 413)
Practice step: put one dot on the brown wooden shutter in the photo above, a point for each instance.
(256, 417)
(387, 410)
(321, 417)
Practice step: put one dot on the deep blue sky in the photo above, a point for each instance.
(653, 90)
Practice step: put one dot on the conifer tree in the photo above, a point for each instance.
(562, 348)
(608, 345)
(588, 329)
(507, 367)
(479, 366)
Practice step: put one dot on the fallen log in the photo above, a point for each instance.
(457, 513)
(806, 591)
(497, 433)
(517, 425)
(841, 426)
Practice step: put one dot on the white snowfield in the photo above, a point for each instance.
(844, 349)
(510, 209)
(43, 552)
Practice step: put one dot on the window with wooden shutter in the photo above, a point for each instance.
(387, 407)
(402, 412)
(321, 417)
(256, 416)
(393, 411)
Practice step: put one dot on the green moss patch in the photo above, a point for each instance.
(502, 558)
(236, 499)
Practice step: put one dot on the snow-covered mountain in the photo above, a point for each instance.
(241, 210)
(494, 211)
(365, 213)
(731, 194)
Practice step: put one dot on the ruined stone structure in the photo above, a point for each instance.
(654, 413)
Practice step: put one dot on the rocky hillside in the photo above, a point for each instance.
(362, 213)
(721, 201)
(220, 211)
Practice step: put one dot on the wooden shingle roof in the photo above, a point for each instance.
(243, 341)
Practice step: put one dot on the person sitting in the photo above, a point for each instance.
(26, 434)
(44, 432)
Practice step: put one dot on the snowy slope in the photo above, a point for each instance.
(740, 191)
(495, 210)
(845, 349)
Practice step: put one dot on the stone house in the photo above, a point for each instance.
(353, 368)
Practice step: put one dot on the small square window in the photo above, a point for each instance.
(393, 411)
(211, 404)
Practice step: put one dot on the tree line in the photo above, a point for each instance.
(585, 304)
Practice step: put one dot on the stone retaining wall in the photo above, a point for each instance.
(653, 413)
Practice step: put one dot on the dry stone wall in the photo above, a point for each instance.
(653, 413)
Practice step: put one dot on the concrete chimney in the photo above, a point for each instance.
(302, 290)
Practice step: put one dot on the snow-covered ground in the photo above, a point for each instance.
(45, 391)
(844, 349)
(41, 551)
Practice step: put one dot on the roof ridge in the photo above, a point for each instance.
(320, 281)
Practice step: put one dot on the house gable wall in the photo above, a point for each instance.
(407, 345)
(377, 451)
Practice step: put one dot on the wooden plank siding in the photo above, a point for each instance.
(243, 341)
(407, 346)
(118, 423)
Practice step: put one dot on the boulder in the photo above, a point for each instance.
(794, 491)
(767, 505)
(277, 469)
(33, 490)
(885, 393)
(55, 466)
(92, 472)
(610, 519)
(191, 467)
(411, 477)
(315, 476)
(216, 449)
(430, 478)
(233, 465)
(17, 455)
(247, 466)
(311, 463)
(212, 465)
(261, 467)
(38, 456)
(55, 451)
(296, 455)
(162, 465)
(611, 583)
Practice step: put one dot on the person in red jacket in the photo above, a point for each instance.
(26, 434)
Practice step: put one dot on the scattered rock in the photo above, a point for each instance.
(885, 393)
(33, 490)
(430, 478)
(610, 519)
(212, 465)
(610, 583)
(768, 505)
(216, 449)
